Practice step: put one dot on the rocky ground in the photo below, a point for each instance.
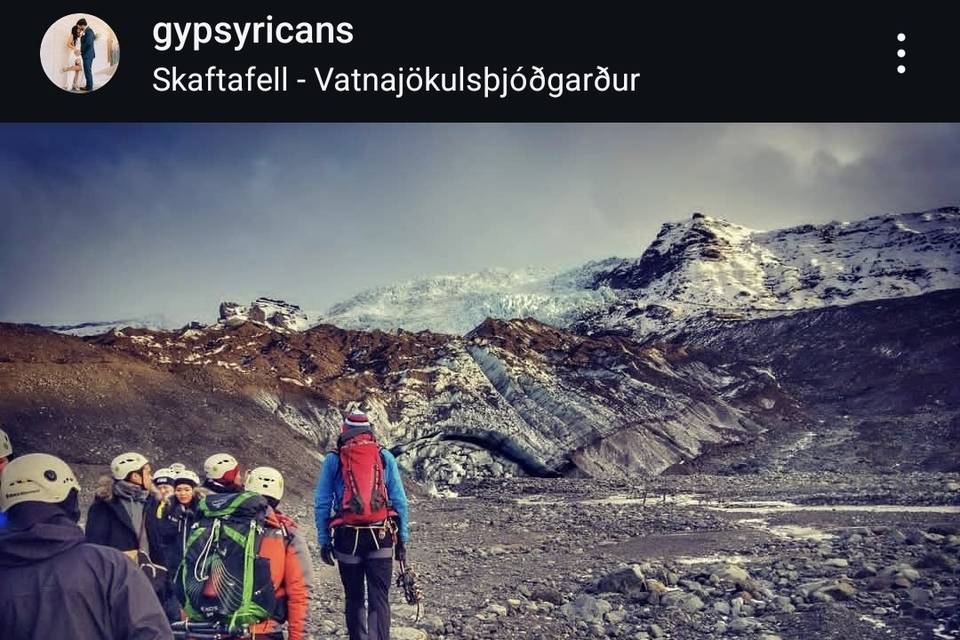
(774, 556)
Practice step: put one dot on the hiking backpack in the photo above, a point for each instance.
(222, 578)
(364, 499)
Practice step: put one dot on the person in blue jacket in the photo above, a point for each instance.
(364, 554)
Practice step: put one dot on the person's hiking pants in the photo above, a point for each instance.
(365, 562)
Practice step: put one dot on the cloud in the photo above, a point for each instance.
(105, 221)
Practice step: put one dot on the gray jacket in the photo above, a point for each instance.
(53, 584)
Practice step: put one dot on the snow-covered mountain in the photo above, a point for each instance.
(156, 322)
(708, 266)
(700, 266)
(455, 304)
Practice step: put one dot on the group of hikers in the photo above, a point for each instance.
(213, 556)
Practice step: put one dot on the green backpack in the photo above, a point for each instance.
(222, 578)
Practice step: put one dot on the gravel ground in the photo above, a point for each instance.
(681, 557)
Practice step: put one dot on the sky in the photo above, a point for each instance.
(118, 221)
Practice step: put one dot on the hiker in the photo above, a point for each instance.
(221, 473)
(175, 515)
(163, 481)
(123, 516)
(240, 570)
(54, 584)
(368, 519)
(118, 516)
(268, 482)
(285, 548)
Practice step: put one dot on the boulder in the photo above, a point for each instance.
(623, 581)
(733, 573)
(827, 590)
(586, 608)
(546, 594)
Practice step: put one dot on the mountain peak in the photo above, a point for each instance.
(273, 313)
(709, 265)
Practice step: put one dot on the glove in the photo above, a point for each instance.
(400, 551)
(326, 554)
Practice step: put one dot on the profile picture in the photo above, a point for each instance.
(80, 53)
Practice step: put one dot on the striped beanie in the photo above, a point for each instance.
(356, 419)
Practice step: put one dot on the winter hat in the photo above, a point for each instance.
(356, 419)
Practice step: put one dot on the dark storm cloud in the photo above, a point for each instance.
(113, 221)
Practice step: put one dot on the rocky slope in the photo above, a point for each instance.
(513, 397)
(510, 398)
(87, 403)
(877, 381)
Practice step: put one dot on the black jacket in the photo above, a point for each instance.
(55, 585)
(108, 523)
(173, 527)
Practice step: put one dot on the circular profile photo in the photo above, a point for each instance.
(80, 53)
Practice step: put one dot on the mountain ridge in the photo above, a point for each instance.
(606, 396)
(693, 265)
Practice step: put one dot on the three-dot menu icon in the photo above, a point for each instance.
(901, 52)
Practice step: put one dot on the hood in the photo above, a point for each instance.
(104, 490)
(42, 540)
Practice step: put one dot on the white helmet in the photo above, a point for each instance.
(186, 477)
(126, 463)
(163, 476)
(177, 467)
(218, 465)
(5, 447)
(266, 481)
(36, 477)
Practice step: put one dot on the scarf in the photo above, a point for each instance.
(133, 498)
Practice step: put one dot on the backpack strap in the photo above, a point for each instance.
(251, 549)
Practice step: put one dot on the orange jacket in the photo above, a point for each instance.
(287, 577)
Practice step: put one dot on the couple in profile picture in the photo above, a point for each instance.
(79, 57)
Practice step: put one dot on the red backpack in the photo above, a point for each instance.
(361, 467)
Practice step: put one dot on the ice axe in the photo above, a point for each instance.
(407, 580)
